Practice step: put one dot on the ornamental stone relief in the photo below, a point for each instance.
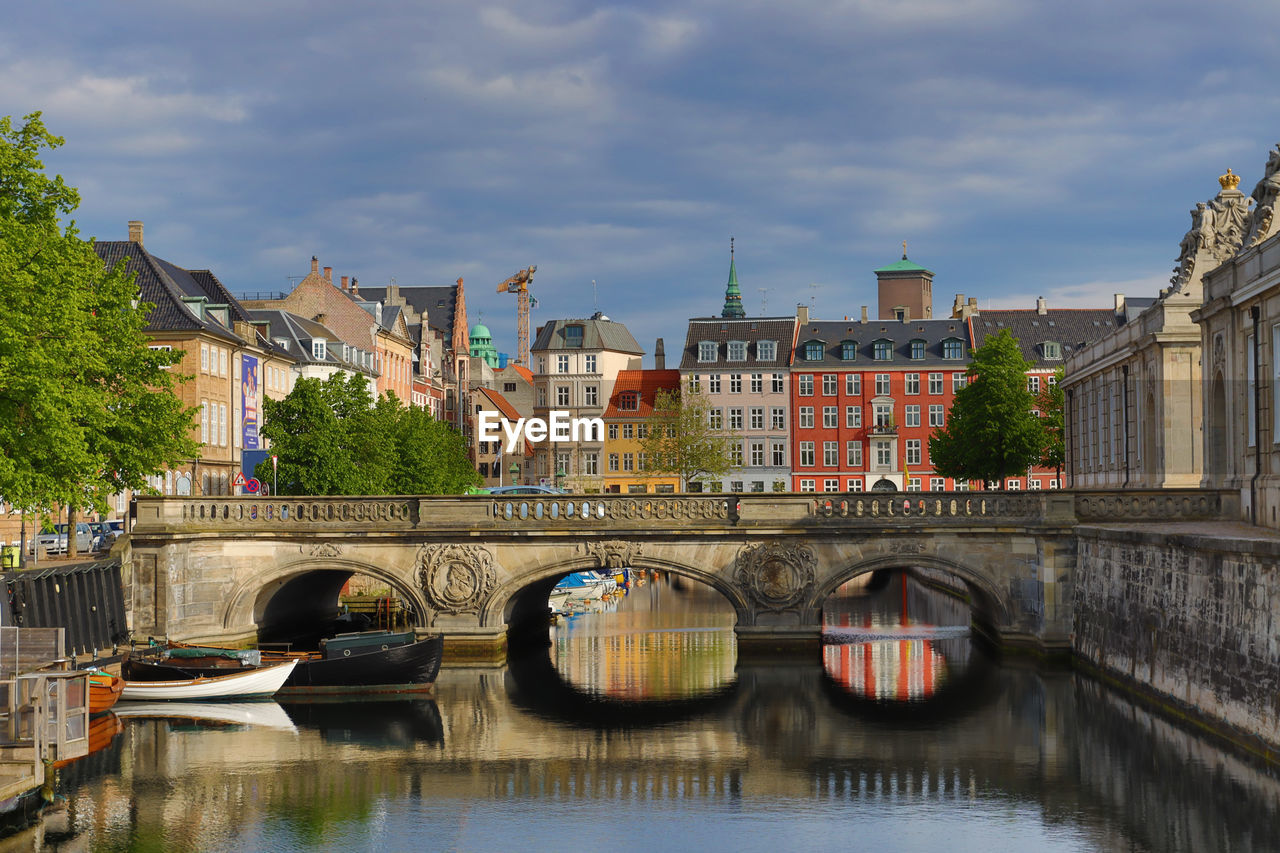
(325, 549)
(775, 576)
(456, 578)
(614, 554)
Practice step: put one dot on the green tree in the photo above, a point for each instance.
(990, 432)
(331, 438)
(681, 440)
(1052, 405)
(87, 409)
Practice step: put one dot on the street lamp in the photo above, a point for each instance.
(515, 473)
(559, 476)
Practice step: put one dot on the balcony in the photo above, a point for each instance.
(886, 428)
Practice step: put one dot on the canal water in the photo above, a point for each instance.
(635, 729)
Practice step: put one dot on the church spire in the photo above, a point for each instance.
(732, 295)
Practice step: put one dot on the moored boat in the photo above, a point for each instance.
(104, 691)
(260, 681)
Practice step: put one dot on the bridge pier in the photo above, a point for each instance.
(761, 644)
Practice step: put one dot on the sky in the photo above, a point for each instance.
(1022, 148)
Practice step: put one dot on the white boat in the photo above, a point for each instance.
(262, 681)
(267, 715)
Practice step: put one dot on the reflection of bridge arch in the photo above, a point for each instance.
(992, 603)
(247, 601)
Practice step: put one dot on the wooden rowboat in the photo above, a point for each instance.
(104, 691)
(263, 681)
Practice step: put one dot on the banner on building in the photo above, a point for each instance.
(250, 404)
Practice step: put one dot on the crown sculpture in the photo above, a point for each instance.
(1230, 180)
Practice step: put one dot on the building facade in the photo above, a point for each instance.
(626, 426)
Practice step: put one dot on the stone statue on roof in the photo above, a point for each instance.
(1265, 194)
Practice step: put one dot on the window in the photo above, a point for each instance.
(642, 431)
(508, 387)
(779, 453)
(853, 417)
(806, 417)
(953, 348)
(757, 383)
(958, 381)
(628, 431)
(735, 419)
(628, 462)
(806, 485)
(629, 400)
(573, 336)
(913, 451)
(317, 349)
(716, 418)
(562, 395)
(706, 351)
(613, 462)
(1034, 485)
(591, 364)
(917, 349)
(542, 364)
(766, 350)
(757, 456)
(222, 424)
(829, 415)
(829, 388)
(913, 416)
(913, 484)
(1052, 350)
(813, 351)
(913, 383)
(695, 382)
(935, 383)
(831, 485)
(848, 350)
(542, 397)
(735, 383)
(735, 455)
(562, 463)
(853, 384)
(757, 418)
(222, 362)
(853, 454)
(1014, 485)
(737, 351)
(936, 416)
(805, 384)
(883, 350)
(713, 384)
(204, 357)
(884, 454)
(806, 454)
(735, 486)
(1033, 384)
(882, 384)
(831, 454)
(562, 364)
(937, 484)
(777, 418)
(757, 485)
(855, 485)
(883, 414)
(777, 383)
(204, 421)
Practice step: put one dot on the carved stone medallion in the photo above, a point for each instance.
(614, 554)
(456, 578)
(907, 548)
(325, 549)
(776, 576)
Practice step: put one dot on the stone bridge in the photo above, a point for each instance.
(205, 569)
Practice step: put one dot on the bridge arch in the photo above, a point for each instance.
(992, 602)
(241, 609)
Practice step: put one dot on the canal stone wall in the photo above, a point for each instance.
(1190, 615)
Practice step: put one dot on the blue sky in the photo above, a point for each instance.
(1022, 148)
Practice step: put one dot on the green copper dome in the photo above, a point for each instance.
(480, 330)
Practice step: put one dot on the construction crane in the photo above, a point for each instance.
(519, 285)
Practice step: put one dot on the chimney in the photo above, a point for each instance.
(659, 355)
(864, 313)
(320, 318)
(355, 286)
(344, 282)
(393, 292)
(328, 274)
(1119, 298)
(315, 265)
(135, 231)
(957, 306)
(1042, 307)
(802, 314)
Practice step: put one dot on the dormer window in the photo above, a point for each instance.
(706, 351)
(318, 349)
(1052, 350)
(848, 350)
(629, 401)
(737, 351)
(283, 343)
(766, 350)
(917, 349)
(573, 337)
(953, 348)
(813, 351)
(882, 350)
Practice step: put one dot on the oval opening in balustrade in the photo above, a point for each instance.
(524, 509)
(506, 511)
(284, 512)
(569, 509)
(253, 512)
(554, 511)
(599, 510)
(537, 510)
(271, 511)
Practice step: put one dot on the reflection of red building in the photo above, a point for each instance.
(901, 670)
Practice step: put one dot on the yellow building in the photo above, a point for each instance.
(625, 418)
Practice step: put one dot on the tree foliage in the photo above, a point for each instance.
(331, 438)
(87, 409)
(990, 433)
(681, 441)
(1052, 405)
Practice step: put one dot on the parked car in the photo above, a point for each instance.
(526, 490)
(105, 533)
(55, 541)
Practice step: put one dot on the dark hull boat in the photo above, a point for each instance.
(374, 662)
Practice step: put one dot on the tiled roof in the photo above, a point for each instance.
(500, 403)
(525, 372)
(298, 332)
(598, 333)
(833, 335)
(217, 292)
(435, 303)
(1073, 328)
(164, 284)
(780, 330)
(644, 383)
